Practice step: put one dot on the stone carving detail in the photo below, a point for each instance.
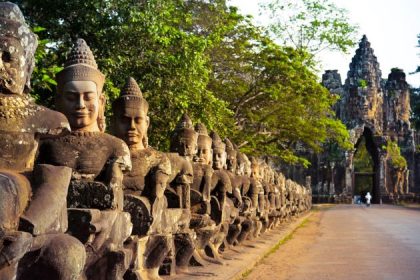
(33, 213)
(98, 161)
(78, 203)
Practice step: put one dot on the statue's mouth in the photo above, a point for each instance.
(80, 115)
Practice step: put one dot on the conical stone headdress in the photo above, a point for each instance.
(217, 141)
(80, 66)
(131, 96)
(183, 130)
(230, 148)
(203, 136)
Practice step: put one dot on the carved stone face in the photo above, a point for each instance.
(187, 146)
(231, 161)
(204, 152)
(240, 168)
(219, 159)
(80, 102)
(12, 66)
(255, 171)
(131, 124)
(247, 167)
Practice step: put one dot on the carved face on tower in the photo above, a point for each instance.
(184, 139)
(17, 49)
(219, 151)
(130, 121)
(231, 156)
(204, 146)
(79, 87)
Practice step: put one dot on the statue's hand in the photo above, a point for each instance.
(15, 246)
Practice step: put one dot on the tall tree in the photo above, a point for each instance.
(149, 40)
(200, 57)
(310, 25)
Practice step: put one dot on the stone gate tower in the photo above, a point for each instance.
(379, 111)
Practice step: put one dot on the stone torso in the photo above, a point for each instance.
(202, 174)
(87, 153)
(143, 161)
(22, 123)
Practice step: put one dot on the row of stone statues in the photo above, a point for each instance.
(79, 203)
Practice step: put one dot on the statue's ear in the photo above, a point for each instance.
(211, 157)
(147, 121)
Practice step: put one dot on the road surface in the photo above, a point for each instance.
(349, 242)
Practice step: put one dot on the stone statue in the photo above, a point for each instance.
(183, 148)
(248, 209)
(236, 181)
(222, 207)
(257, 194)
(98, 161)
(201, 222)
(33, 214)
(144, 185)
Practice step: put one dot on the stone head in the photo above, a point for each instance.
(79, 90)
(219, 151)
(255, 168)
(17, 48)
(130, 121)
(184, 138)
(231, 155)
(241, 163)
(204, 145)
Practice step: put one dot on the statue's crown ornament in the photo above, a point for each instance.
(229, 146)
(201, 129)
(184, 123)
(203, 136)
(80, 66)
(131, 88)
(131, 96)
(183, 130)
(217, 141)
(81, 54)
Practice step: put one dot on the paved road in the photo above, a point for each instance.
(350, 242)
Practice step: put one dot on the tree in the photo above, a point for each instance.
(149, 40)
(277, 100)
(199, 57)
(310, 25)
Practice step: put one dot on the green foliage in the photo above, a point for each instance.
(394, 154)
(362, 159)
(415, 107)
(153, 41)
(277, 100)
(311, 25)
(199, 57)
(362, 83)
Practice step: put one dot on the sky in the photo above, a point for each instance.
(390, 26)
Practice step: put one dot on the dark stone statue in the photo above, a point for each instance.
(221, 206)
(144, 185)
(33, 214)
(98, 161)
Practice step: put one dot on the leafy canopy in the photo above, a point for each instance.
(310, 25)
(199, 57)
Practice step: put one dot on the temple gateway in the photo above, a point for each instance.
(376, 111)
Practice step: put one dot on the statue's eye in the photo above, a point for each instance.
(6, 57)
